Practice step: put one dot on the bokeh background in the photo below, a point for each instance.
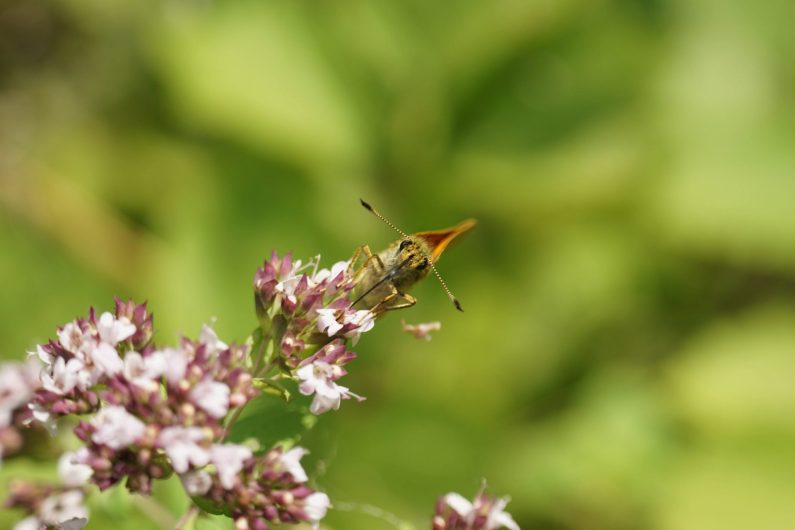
(627, 354)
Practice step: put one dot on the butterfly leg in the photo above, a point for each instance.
(395, 295)
(371, 260)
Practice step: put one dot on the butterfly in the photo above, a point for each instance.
(385, 278)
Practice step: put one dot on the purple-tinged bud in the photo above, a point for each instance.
(271, 513)
(259, 524)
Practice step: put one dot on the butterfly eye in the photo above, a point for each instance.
(404, 244)
(423, 264)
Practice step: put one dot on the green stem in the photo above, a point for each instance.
(187, 517)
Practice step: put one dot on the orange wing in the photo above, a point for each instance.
(439, 239)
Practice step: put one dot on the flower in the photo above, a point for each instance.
(423, 330)
(176, 364)
(327, 321)
(145, 372)
(315, 506)
(65, 376)
(212, 343)
(212, 396)
(291, 460)
(113, 330)
(228, 460)
(329, 275)
(18, 382)
(72, 472)
(454, 512)
(106, 359)
(196, 482)
(362, 320)
(182, 447)
(71, 337)
(317, 378)
(116, 428)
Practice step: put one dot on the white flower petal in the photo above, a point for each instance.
(228, 460)
(116, 428)
(316, 506)
(291, 460)
(211, 396)
(113, 330)
(180, 444)
(73, 473)
(458, 503)
(106, 359)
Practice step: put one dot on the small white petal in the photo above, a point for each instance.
(181, 446)
(291, 460)
(106, 359)
(210, 339)
(228, 460)
(458, 503)
(211, 396)
(116, 428)
(316, 506)
(28, 523)
(58, 509)
(73, 473)
(113, 330)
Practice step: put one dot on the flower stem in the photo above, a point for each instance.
(187, 517)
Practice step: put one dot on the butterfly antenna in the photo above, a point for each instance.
(450, 295)
(384, 219)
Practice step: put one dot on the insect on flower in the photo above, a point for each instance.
(387, 276)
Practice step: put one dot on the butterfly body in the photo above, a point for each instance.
(389, 275)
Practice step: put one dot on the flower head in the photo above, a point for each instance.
(454, 512)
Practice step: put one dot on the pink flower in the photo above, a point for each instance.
(65, 376)
(327, 321)
(71, 337)
(315, 506)
(18, 381)
(112, 330)
(316, 378)
(106, 358)
(116, 428)
(144, 372)
(212, 343)
(326, 274)
(72, 472)
(211, 396)
(228, 460)
(421, 331)
(176, 365)
(363, 320)
(485, 513)
(60, 509)
(291, 460)
(180, 444)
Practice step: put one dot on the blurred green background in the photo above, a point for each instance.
(627, 353)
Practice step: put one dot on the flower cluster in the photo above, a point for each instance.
(454, 512)
(18, 382)
(49, 506)
(309, 315)
(257, 490)
(156, 411)
(88, 355)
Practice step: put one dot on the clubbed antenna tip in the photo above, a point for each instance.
(366, 205)
(458, 305)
